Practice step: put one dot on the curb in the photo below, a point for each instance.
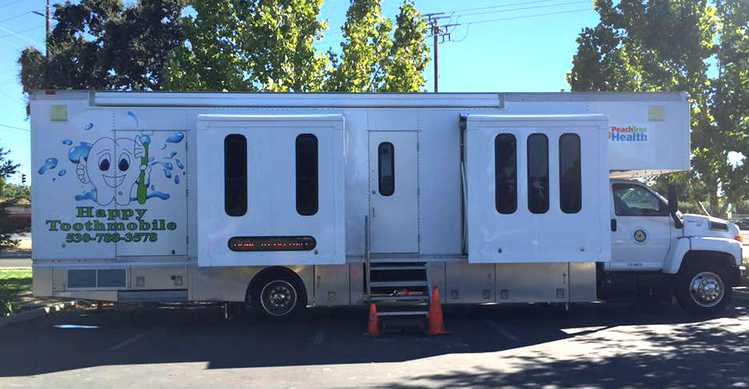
(35, 313)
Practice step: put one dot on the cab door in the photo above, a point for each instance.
(641, 228)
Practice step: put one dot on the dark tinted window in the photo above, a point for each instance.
(570, 181)
(235, 175)
(505, 173)
(306, 174)
(386, 168)
(538, 173)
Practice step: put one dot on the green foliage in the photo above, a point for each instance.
(365, 49)
(234, 45)
(372, 60)
(7, 169)
(101, 44)
(662, 45)
(409, 54)
(243, 45)
(13, 284)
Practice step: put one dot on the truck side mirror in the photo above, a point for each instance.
(673, 205)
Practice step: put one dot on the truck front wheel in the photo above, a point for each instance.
(702, 289)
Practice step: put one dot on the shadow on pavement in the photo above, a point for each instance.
(691, 349)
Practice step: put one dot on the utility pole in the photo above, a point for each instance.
(47, 25)
(47, 29)
(438, 32)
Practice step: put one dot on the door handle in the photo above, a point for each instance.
(373, 212)
(613, 224)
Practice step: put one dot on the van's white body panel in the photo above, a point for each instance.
(186, 250)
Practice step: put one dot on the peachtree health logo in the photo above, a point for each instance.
(631, 134)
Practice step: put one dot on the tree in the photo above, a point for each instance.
(662, 45)
(365, 50)
(409, 54)
(250, 45)
(7, 169)
(100, 44)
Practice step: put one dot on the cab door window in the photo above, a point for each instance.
(635, 200)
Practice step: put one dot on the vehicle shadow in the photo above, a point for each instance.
(80, 339)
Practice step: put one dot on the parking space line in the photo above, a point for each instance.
(497, 328)
(126, 342)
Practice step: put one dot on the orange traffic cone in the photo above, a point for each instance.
(373, 328)
(436, 321)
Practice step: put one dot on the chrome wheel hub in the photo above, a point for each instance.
(278, 298)
(707, 289)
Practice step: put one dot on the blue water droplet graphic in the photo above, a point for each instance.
(160, 195)
(61, 172)
(176, 137)
(88, 127)
(67, 142)
(179, 164)
(176, 179)
(132, 115)
(49, 163)
(80, 152)
(90, 195)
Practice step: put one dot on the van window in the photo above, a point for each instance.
(634, 200)
(306, 174)
(505, 173)
(538, 173)
(235, 175)
(386, 168)
(570, 181)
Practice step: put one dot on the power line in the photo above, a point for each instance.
(22, 31)
(14, 17)
(459, 14)
(11, 3)
(527, 16)
(15, 128)
(499, 6)
(17, 35)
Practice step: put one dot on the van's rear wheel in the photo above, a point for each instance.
(278, 296)
(702, 289)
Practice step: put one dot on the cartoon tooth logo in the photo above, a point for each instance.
(113, 168)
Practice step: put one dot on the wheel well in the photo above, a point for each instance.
(277, 272)
(707, 257)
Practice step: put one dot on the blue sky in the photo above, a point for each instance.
(500, 46)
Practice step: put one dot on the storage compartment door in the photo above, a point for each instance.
(270, 190)
(148, 171)
(537, 189)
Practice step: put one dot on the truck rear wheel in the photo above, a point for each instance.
(277, 296)
(702, 289)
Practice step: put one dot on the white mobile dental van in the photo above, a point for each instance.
(283, 201)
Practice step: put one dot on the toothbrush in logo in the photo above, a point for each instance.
(142, 193)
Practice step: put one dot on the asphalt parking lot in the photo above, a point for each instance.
(520, 346)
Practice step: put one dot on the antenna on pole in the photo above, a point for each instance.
(437, 32)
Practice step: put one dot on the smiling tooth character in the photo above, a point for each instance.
(113, 166)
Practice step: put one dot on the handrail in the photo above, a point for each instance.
(367, 250)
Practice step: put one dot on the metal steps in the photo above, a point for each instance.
(398, 284)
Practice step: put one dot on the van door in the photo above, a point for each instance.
(393, 187)
(641, 226)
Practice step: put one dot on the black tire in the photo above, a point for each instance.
(278, 296)
(703, 289)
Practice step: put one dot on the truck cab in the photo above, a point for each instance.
(699, 256)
